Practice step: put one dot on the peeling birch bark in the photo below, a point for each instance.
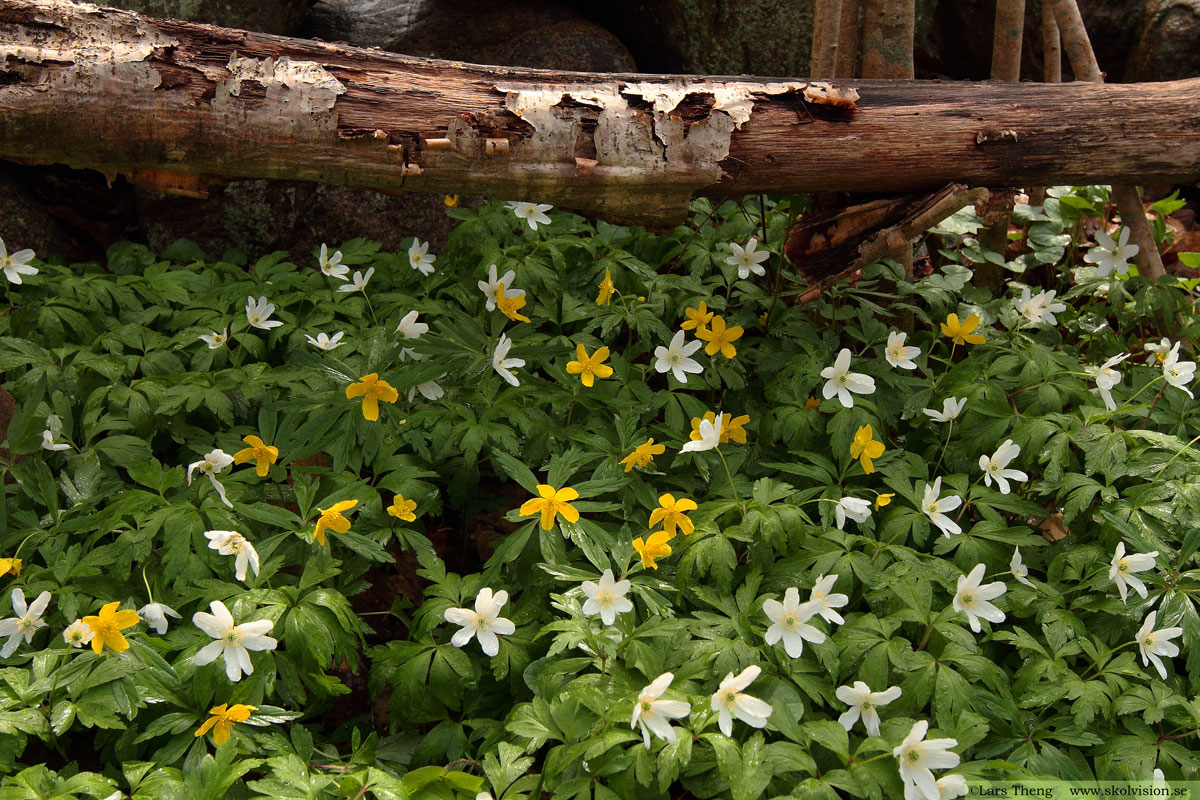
(119, 93)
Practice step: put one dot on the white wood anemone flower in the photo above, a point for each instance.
(863, 703)
(358, 282)
(1109, 255)
(502, 363)
(1123, 566)
(419, 258)
(78, 634)
(918, 756)
(332, 266)
(491, 287)
(972, 599)
(1038, 308)
(790, 622)
(534, 214)
(232, 641)
(25, 624)
(676, 357)
(48, 441)
(654, 715)
(948, 787)
(232, 543)
(1019, 570)
(898, 354)
(430, 390)
(730, 700)
(15, 265)
(214, 340)
(326, 342)
(410, 327)
(1107, 378)
(211, 466)
(710, 436)
(1178, 373)
(258, 314)
(1153, 644)
(1160, 349)
(840, 381)
(606, 598)
(156, 615)
(935, 507)
(853, 507)
(824, 602)
(996, 467)
(951, 408)
(484, 623)
(747, 259)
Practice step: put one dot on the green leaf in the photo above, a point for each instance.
(124, 451)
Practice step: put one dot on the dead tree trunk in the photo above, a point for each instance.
(120, 93)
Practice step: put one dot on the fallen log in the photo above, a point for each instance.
(110, 90)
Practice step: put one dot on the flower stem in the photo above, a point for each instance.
(1172, 459)
(732, 488)
(1139, 391)
(149, 593)
(949, 432)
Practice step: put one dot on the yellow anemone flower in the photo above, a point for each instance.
(107, 626)
(332, 519)
(720, 339)
(371, 389)
(697, 318)
(551, 503)
(643, 454)
(403, 509)
(672, 512)
(263, 454)
(13, 565)
(655, 547)
(732, 428)
(961, 332)
(510, 306)
(589, 367)
(606, 289)
(883, 499)
(222, 720)
(864, 448)
(450, 200)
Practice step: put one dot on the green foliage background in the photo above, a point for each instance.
(366, 697)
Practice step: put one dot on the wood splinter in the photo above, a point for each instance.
(495, 147)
